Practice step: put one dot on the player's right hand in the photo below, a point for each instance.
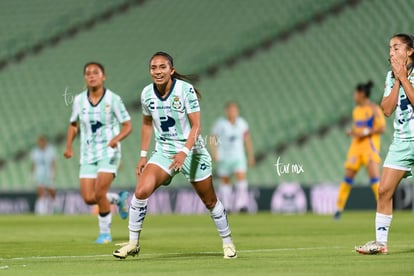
(141, 165)
(68, 153)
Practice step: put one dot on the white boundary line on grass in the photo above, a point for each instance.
(169, 254)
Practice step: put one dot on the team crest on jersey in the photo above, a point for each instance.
(177, 105)
(107, 108)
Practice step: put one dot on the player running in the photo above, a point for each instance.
(170, 107)
(99, 112)
(398, 97)
(368, 125)
(231, 137)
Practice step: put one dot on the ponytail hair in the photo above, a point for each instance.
(188, 78)
(365, 88)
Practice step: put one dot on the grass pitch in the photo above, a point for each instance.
(189, 245)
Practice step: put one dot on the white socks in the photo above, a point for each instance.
(105, 223)
(44, 206)
(137, 213)
(226, 195)
(218, 214)
(242, 195)
(113, 198)
(382, 225)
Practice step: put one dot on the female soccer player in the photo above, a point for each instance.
(398, 97)
(368, 124)
(231, 137)
(99, 111)
(170, 107)
(43, 159)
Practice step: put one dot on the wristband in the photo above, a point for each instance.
(185, 150)
(143, 153)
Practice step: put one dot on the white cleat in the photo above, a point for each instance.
(371, 248)
(127, 249)
(229, 251)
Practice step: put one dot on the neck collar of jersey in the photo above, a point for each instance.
(103, 95)
(158, 94)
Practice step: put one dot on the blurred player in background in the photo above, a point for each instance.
(231, 137)
(368, 124)
(171, 109)
(398, 97)
(99, 112)
(43, 158)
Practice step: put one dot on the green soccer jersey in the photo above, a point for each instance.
(99, 123)
(404, 116)
(170, 115)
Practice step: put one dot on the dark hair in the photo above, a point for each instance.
(94, 63)
(176, 75)
(365, 88)
(407, 39)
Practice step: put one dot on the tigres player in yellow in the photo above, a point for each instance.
(368, 124)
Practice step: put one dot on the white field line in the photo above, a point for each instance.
(264, 250)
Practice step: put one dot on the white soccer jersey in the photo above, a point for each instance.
(404, 113)
(43, 160)
(98, 125)
(230, 138)
(170, 115)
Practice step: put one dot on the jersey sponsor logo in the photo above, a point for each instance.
(95, 125)
(151, 106)
(194, 103)
(166, 123)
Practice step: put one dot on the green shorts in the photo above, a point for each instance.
(196, 167)
(400, 156)
(228, 167)
(108, 165)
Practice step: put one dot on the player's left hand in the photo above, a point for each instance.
(113, 143)
(178, 161)
(398, 68)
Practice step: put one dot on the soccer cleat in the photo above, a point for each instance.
(122, 204)
(127, 249)
(229, 251)
(371, 248)
(104, 238)
(337, 215)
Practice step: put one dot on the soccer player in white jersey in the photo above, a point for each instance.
(43, 158)
(398, 99)
(170, 107)
(99, 112)
(230, 139)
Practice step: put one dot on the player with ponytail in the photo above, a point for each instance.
(398, 98)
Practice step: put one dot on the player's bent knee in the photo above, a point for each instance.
(143, 193)
(210, 203)
(90, 200)
(384, 193)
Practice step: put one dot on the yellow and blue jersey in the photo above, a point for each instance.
(366, 118)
